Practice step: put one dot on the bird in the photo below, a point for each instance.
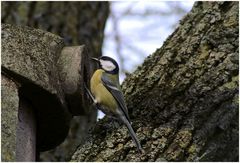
(107, 95)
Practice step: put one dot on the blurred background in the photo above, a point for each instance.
(135, 30)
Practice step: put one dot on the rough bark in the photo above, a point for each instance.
(78, 23)
(183, 100)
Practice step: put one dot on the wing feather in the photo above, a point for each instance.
(117, 94)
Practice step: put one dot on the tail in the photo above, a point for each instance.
(132, 133)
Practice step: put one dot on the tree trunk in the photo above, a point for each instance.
(183, 100)
(78, 23)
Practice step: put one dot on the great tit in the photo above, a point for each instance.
(107, 95)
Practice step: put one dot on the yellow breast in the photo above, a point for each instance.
(101, 94)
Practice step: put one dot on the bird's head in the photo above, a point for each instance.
(108, 64)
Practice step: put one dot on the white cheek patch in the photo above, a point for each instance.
(107, 65)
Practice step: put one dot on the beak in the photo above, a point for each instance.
(95, 59)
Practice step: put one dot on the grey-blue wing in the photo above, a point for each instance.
(117, 94)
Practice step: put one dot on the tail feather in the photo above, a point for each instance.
(132, 133)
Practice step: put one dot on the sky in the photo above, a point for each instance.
(135, 30)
